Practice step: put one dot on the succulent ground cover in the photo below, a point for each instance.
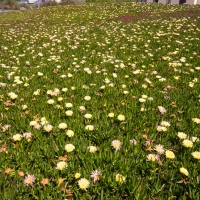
(100, 101)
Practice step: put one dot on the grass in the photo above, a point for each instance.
(139, 63)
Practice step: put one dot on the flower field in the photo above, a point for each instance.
(100, 101)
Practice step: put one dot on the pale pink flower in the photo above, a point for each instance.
(96, 175)
(29, 180)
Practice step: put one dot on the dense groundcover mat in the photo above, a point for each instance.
(100, 101)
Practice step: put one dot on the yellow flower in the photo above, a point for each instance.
(69, 147)
(73, 88)
(121, 117)
(123, 86)
(196, 155)
(191, 84)
(17, 137)
(119, 178)
(196, 120)
(184, 171)
(24, 107)
(77, 175)
(187, 143)
(111, 115)
(83, 183)
(169, 154)
(60, 98)
(144, 96)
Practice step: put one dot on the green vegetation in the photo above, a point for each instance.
(100, 101)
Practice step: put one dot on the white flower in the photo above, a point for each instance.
(69, 147)
(165, 123)
(89, 127)
(83, 183)
(48, 128)
(92, 149)
(114, 75)
(152, 157)
(82, 108)
(70, 133)
(182, 135)
(12, 95)
(116, 144)
(150, 98)
(161, 128)
(87, 98)
(88, 116)
(162, 109)
(62, 126)
(24, 107)
(68, 105)
(126, 92)
(61, 165)
(40, 74)
(64, 89)
(195, 139)
(121, 117)
(187, 143)
(159, 148)
(50, 101)
(69, 112)
(142, 100)
(32, 123)
(37, 92)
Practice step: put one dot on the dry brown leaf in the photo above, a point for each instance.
(63, 158)
(60, 180)
(70, 193)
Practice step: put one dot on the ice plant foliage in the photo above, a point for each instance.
(100, 101)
